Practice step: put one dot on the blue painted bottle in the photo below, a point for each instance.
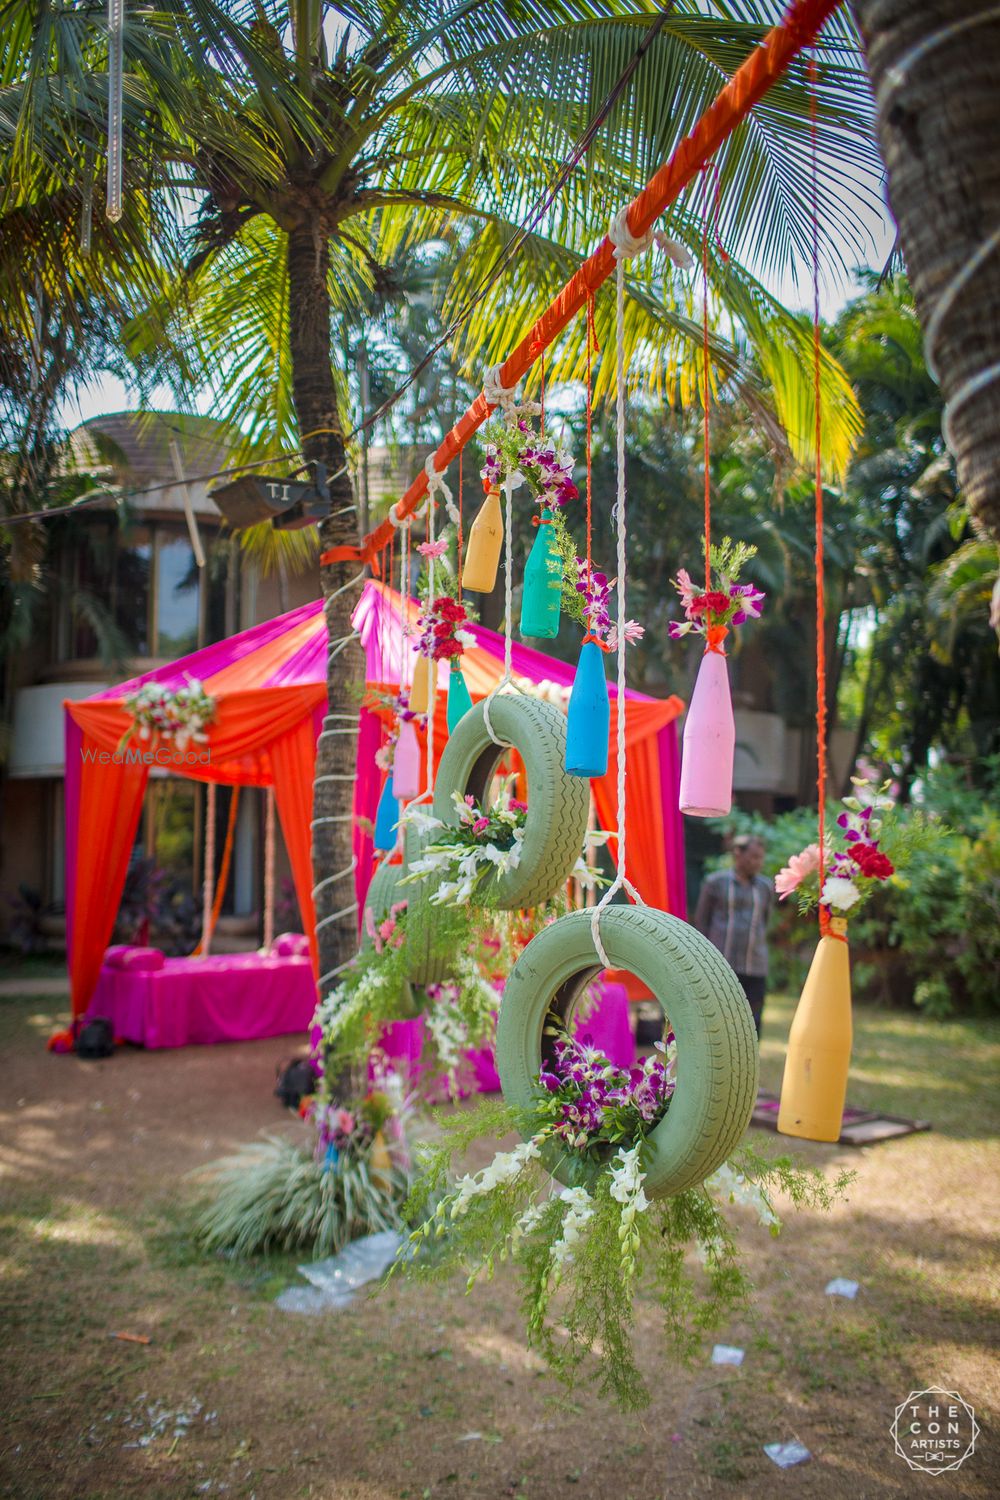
(542, 594)
(589, 718)
(459, 697)
(386, 817)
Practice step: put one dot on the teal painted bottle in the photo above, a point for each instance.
(541, 598)
(386, 818)
(589, 717)
(459, 697)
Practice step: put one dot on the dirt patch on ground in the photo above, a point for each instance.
(422, 1391)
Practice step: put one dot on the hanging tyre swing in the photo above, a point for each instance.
(423, 966)
(557, 804)
(707, 1010)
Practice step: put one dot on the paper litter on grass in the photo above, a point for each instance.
(841, 1287)
(333, 1282)
(727, 1354)
(786, 1454)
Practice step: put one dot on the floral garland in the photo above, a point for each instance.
(440, 623)
(852, 873)
(595, 1239)
(726, 603)
(177, 714)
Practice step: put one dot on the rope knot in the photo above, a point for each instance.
(505, 397)
(625, 242)
(436, 485)
(714, 637)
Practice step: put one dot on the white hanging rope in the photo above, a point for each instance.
(116, 45)
(208, 883)
(436, 484)
(505, 397)
(269, 870)
(432, 673)
(508, 628)
(626, 244)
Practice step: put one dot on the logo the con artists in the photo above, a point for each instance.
(935, 1430)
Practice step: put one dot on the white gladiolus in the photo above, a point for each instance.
(504, 1167)
(579, 1208)
(733, 1187)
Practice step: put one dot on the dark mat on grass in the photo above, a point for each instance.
(861, 1127)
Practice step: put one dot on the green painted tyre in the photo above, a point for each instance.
(717, 1062)
(384, 891)
(558, 804)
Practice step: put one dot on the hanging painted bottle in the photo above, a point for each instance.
(482, 555)
(814, 1086)
(386, 818)
(459, 697)
(542, 594)
(709, 736)
(423, 688)
(406, 763)
(588, 720)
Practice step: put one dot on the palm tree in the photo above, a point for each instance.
(316, 141)
(934, 75)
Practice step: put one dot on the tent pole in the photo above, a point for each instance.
(208, 885)
(269, 871)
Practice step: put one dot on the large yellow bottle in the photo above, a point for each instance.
(424, 684)
(482, 555)
(819, 1044)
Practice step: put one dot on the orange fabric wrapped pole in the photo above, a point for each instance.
(749, 84)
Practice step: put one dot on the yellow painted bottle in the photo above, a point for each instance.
(814, 1086)
(424, 684)
(482, 555)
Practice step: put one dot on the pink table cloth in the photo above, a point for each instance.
(231, 997)
(607, 1026)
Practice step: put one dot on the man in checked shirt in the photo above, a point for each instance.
(733, 910)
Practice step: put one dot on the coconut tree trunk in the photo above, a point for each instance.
(939, 123)
(315, 398)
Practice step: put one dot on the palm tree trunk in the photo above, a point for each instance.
(935, 85)
(315, 398)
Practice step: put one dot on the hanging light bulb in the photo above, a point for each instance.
(814, 1086)
(589, 715)
(709, 737)
(386, 818)
(541, 597)
(424, 685)
(459, 697)
(482, 555)
(406, 763)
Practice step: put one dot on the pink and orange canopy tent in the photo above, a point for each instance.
(269, 687)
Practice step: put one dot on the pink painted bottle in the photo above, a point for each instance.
(709, 736)
(406, 763)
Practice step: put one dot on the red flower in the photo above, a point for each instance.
(716, 602)
(871, 861)
(444, 649)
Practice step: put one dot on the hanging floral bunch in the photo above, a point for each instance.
(858, 863)
(515, 451)
(726, 603)
(594, 591)
(593, 1242)
(441, 624)
(178, 715)
(486, 842)
(374, 991)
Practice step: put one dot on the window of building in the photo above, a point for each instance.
(178, 597)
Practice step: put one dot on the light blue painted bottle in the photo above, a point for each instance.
(542, 595)
(459, 697)
(589, 717)
(386, 817)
